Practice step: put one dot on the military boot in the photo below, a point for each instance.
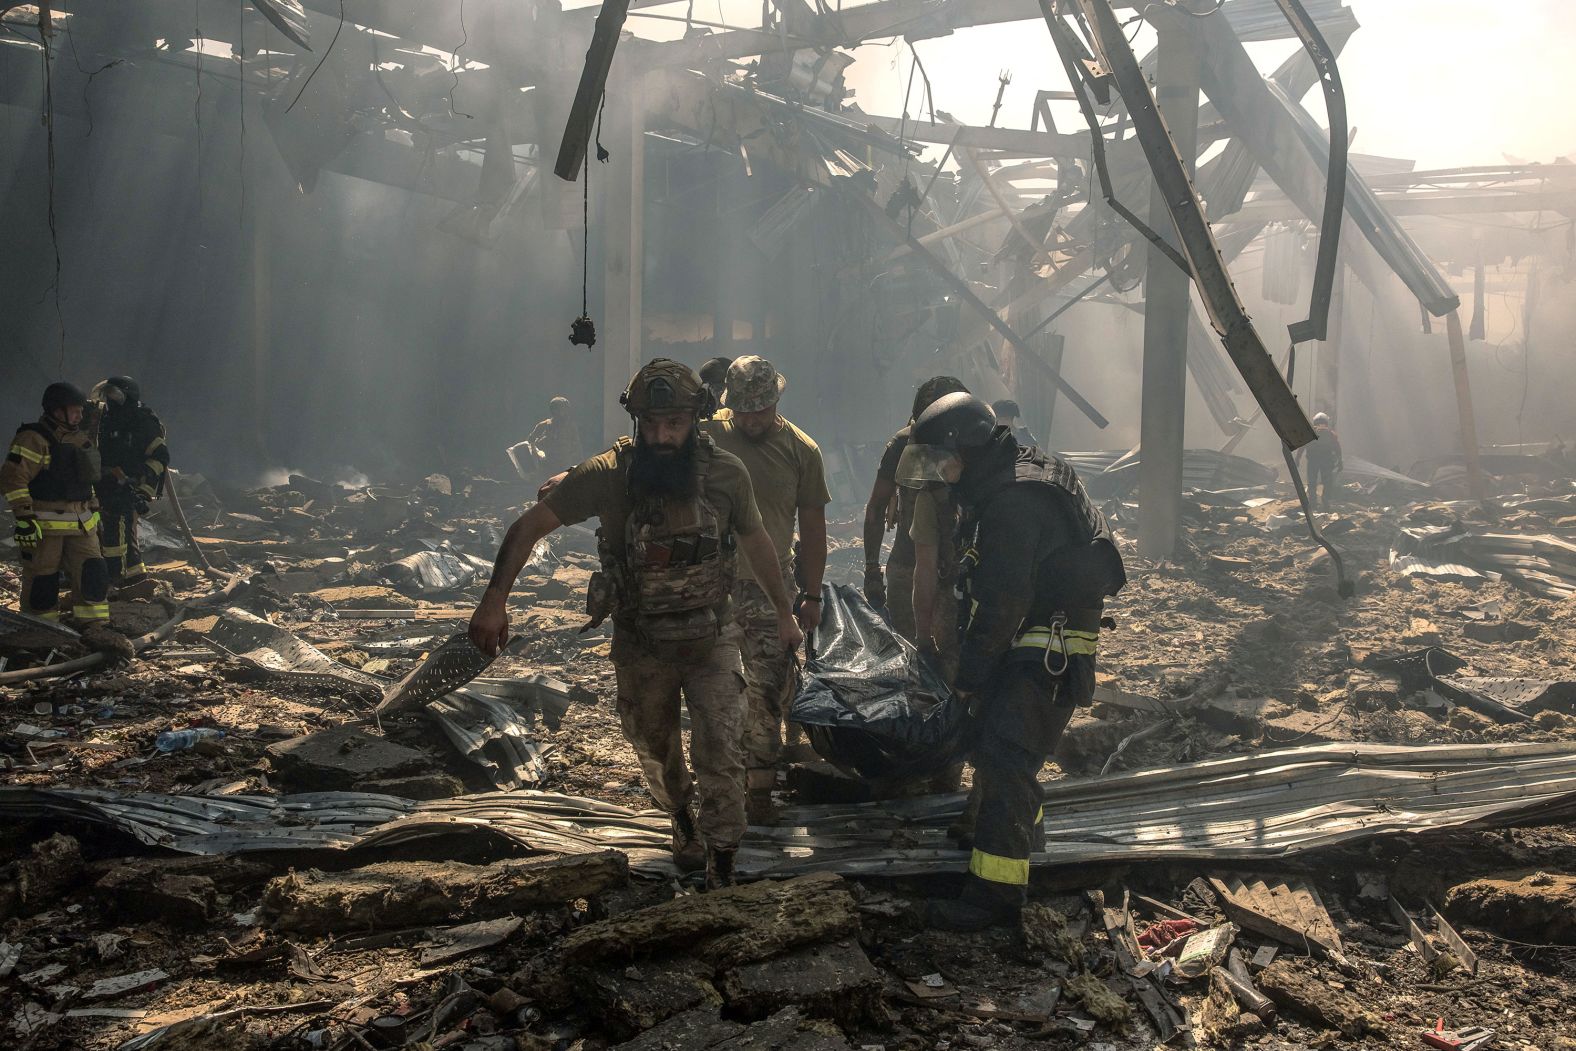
(688, 852)
(719, 868)
(982, 905)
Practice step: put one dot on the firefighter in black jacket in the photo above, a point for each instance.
(1038, 563)
(131, 441)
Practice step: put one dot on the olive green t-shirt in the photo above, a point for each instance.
(598, 488)
(926, 526)
(786, 471)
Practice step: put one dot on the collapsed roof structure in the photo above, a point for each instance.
(856, 243)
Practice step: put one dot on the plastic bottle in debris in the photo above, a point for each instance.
(184, 740)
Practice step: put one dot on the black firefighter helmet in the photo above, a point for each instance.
(118, 392)
(952, 423)
(60, 395)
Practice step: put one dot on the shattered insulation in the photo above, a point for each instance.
(885, 526)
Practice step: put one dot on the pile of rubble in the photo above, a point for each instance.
(283, 825)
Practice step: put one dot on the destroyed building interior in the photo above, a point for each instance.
(1275, 296)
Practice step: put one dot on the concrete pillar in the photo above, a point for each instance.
(1166, 310)
(622, 214)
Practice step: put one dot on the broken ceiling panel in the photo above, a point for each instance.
(272, 650)
(288, 17)
(1288, 910)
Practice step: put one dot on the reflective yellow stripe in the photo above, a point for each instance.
(115, 550)
(28, 454)
(92, 611)
(153, 445)
(49, 614)
(998, 869)
(134, 570)
(155, 466)
(1086, 642)
(16, 494)
(67, 525)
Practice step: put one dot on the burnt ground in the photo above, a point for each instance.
(1243, 632)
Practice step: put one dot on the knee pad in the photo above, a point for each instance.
(95, 579)
(45, 592)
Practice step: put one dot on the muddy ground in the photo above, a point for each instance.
(1244, 632)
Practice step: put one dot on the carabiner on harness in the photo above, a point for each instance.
(1057, 644)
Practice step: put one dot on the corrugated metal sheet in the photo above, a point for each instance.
(13, 623)
(270, 649)
(1248, 807)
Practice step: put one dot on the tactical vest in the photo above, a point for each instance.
(1071, 583)
(72, 470)
(675, 580)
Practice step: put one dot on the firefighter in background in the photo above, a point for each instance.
(47, 479)
(1323, 459)
(1038, 564)
(136, 460)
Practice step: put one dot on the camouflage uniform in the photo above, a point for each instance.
(648, 710)
(666, 578)
(770, 672)
(787, 474)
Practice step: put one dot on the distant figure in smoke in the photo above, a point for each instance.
(1007, 414)
(557, 438)
(714, 374)
(1322, 458)
(136, 459)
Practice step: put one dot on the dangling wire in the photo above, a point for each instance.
(47, 116)
(585, 242)
(583, 331)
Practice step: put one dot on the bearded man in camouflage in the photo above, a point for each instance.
(673, 509)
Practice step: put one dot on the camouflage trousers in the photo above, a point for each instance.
(770, 672)
(649, 695)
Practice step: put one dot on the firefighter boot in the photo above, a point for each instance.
(982, 904)
(719, 868)
(688, 852)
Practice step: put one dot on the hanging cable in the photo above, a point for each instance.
(326, 52)
(45, 32)
(240, 54)
(197, 43)
(87, 103)
(582, 331)
(454, 68)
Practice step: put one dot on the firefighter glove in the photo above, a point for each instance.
(28, 533)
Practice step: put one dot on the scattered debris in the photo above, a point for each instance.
(1296, 988)
(1540, 908)
(271, 650)
(392, 894)
(1290, 911)
(342, 759)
